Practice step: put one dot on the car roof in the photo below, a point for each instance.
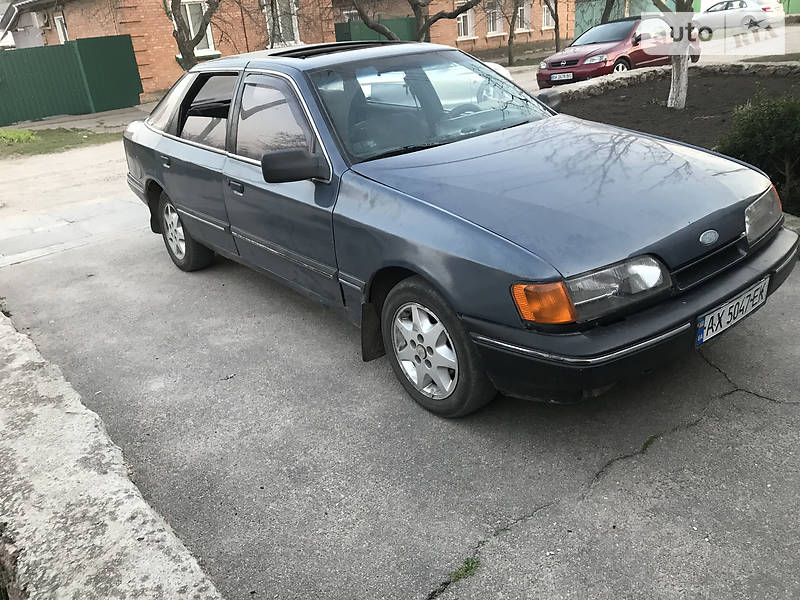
(313, 56)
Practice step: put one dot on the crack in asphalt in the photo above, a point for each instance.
(737, 387)
(600, 474)
(497, 532)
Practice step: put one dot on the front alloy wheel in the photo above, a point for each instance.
(620, 67)
(430, 352)
(425, 351)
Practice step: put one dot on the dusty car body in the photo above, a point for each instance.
(493, 245)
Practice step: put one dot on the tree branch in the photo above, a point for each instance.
(374, 24)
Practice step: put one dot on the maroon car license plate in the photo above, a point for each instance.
(733, 311)
(560, 76)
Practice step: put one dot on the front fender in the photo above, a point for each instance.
(377, 227)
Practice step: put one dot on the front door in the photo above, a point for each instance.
(283, 228)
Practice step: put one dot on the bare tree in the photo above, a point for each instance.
(510, 11)
(679, 59)
(607, 8)
(423, 19)
(183, 33)
(372, 22)
(552, 6)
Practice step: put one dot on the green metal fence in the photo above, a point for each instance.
(78, 77)
(404, 27)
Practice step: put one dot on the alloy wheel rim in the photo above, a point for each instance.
(424, 350)
(620, 67)
(174, 233)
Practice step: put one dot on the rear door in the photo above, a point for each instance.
(283, 228)
(192, 156)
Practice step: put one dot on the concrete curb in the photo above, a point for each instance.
(72, 524)
(607, 83)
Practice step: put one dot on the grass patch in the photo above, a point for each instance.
(24, 142)
(467, 569)
(16, 136)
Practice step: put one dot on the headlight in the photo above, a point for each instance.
(595, 294)
(542, 65)
(617, 287)
(761, 215)
(598, 58)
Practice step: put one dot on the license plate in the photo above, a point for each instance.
(733, 311)
(560, 76)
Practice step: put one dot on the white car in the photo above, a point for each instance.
(744, 14)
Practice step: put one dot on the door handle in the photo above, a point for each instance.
(165, 161)
(236, 186)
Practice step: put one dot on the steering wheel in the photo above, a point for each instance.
(463, 109)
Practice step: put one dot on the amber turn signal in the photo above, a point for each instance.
(544, 302)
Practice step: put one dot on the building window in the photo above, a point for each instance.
(494, 19)
(282, 23)
(466, 22)
(349, 16)
(524, 16)
(193, 15)
(61, 29)
(548, 22)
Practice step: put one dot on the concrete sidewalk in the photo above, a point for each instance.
(108, 121)
(72, 525)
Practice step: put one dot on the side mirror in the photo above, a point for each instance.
(550, 97)
(296, 164)
(637, 39)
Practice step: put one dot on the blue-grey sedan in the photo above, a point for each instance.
(481, 241)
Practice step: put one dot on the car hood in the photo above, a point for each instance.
(579, 52)
(579, 194)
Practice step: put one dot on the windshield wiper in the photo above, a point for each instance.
(404, 150)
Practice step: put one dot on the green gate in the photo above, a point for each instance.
(403, 27)
(78, 77)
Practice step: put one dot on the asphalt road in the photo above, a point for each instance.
(293, 470)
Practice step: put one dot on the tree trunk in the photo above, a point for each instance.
(680, 81)
(607, 11)
(557, 30)
(512, 33)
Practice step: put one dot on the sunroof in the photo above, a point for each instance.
(317, 49)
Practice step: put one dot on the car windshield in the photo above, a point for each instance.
(399, 104)
(607, 32)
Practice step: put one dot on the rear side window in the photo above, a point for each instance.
(164, 110)
(205, 110)
(270, 119)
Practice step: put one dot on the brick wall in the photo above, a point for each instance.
(233, 30)
(445, 31)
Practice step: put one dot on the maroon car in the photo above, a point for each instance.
(611, 47)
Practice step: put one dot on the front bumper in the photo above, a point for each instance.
(530, 364)
(579, 73)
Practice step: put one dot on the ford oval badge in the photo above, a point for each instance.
(709, 237)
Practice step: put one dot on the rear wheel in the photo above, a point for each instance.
(621, 66)
(431, 353)
(187, 254)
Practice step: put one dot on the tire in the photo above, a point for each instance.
(621, 65)
(450, 356)
(186, 253)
